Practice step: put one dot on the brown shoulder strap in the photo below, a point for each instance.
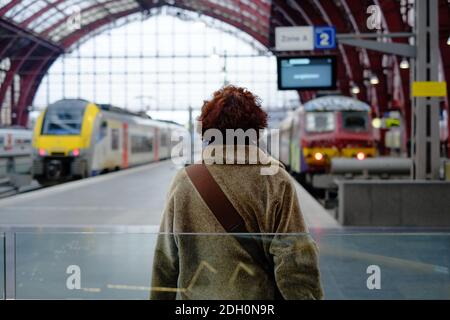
(215, 199)
(229, 218)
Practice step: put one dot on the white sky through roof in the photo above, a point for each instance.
(164, 62)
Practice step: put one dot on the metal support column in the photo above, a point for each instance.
(425, 111)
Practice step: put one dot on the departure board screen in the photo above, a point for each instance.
(307, 73)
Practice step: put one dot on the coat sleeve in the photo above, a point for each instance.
(294, 252)
(165, 260)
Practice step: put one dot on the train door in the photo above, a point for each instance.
(115, 146)
(125, 145)
(98, 148)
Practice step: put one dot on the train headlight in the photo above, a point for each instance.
(75, 152)
(360, 156)
(42, 152)
(318, 156)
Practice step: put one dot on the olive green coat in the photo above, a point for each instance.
(195, 258)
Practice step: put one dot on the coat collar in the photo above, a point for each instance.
(237, 154)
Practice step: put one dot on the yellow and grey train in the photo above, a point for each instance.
(74, 138)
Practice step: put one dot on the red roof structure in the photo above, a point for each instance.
(33, 33)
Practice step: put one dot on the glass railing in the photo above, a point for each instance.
(411, 266)
(105, 265)
(2, 266)
(83, 265)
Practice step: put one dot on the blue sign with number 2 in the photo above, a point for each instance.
(325, 37)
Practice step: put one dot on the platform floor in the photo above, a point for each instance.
(117, 265)
(130, 197)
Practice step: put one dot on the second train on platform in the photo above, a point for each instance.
(75, 139)
(323, 129)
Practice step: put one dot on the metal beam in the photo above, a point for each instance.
(332, 14)
(29, 84)
(375, 35)
(26, 22)
(8, 7)
(36, 38)
(426, 143)
(394, 24)
(355, 57)
(399, 49)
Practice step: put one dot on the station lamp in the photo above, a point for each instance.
(448, 41)
(377, 123)
(355, 89)
(404, 64)
(374, 79)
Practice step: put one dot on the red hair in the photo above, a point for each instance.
(233, 108)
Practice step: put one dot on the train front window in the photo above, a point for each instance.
(63, 120)
(355, 121)
(320, 122)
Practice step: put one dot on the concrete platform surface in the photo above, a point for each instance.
(129, 197)
(133, 197)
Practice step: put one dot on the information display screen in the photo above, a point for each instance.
(307, 73)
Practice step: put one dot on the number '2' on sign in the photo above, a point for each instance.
(325, 37)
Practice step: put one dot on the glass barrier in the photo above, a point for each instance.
(410, 266)
(83, 265)
(207, 266)
(2, 266)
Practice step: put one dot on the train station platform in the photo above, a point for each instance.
(133, 197)
(107, 226)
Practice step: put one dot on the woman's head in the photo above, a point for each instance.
(233, 108)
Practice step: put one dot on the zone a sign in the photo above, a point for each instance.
(305, 38)
(294, 38)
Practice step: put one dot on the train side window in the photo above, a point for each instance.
(115, 139)
(2, 141)
(141, 144)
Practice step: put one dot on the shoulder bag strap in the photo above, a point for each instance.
(227, 215)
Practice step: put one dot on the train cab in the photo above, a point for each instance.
(326, 128)
(62, 136)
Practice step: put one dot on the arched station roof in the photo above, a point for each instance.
(33, 33)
